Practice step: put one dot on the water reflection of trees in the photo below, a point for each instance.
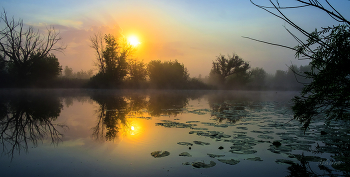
(172, 102)
(115, 109)
(111, 112)
(229, 107)
(28, 118)
(166, 104)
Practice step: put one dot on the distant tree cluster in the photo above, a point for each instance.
(232, 72)
(68, 73)
(167, 74)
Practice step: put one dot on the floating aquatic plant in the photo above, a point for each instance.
(230, 162)
(158, 154)
(214, 156)
(186, 154)
(203, 165)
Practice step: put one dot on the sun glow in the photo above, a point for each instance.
(134, 41)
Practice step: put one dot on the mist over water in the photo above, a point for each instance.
(109, 132)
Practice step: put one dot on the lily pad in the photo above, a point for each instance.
(265, 137)
(208, 123)
(230, 162)
(243, 151)
(203, 165)
(185, 143)
(158, 154)
(199, 128)
(254, 159)
(262, 132)
(214, 156)
(239, 132)
(201, 143)
(171, 124)
(185, 154)
(240, 147)
(221, 125)
(191, 121)
(242, 128)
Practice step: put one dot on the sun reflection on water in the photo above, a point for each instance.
(133, 127)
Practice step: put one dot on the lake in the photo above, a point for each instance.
(164, 133)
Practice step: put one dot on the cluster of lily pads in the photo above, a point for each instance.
(276, 128)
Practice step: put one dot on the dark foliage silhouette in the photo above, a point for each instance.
(112, 55)
(137, 74)
(231, 70)
(24, 50)
(167, 74)
(328, 50)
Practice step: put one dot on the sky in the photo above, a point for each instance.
(194, 32)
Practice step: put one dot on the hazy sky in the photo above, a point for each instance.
(192, 31)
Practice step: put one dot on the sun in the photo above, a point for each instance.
(134, 41)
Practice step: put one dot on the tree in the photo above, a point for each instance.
(44, 68)
(23, 48)
(137, 71)
(98, 45)
(68, 72)
(167, 74)
(257, 77)
(328, 50)
(232, 65)
(112, 56)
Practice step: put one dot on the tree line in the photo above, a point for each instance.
(26, 60)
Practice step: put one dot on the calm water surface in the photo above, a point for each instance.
(117, 133)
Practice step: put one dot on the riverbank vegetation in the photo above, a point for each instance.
(27, 61)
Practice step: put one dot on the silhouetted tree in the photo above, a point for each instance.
(232, 65)
(4, 76)
(84, 74)
(257, 78)
(23, 49)
(112, 60)
(68, 72)
(328, 50)
(137, 72)
(44, 68)
(279, 79)
(167, 74)
(98, 45)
